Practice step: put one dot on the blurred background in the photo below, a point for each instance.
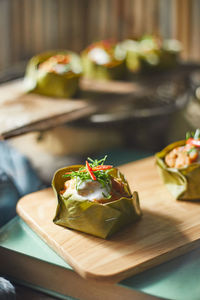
(132, 124)
(29, 27)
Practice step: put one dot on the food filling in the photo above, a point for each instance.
(184, 156)
(103, 53)
(94, 183)
(58, 64)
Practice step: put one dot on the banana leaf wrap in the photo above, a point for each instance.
(133, 61)
(182, 183)
(158, 60)
(101, 220)
(161, 56)
(52, 84)
(92, 70)
(158, 54)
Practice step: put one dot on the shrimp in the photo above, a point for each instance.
(181, 157)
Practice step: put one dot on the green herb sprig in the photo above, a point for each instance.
(102, 176)
(193, 134)
(96, 162)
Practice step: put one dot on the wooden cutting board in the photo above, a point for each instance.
(167, 229)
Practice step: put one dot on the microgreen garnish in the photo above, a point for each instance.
(106, 196)
(95, 170)
(193, 138)
(188, 135)
(96, 162)
(195, 135)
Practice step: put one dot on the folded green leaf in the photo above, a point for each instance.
(150, 53)
(101, 220)
(182, 183)
(112, 70)
(52, 84)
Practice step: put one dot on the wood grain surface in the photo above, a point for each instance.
(168, 228)
(21, 112)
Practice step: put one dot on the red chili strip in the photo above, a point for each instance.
(90, 171)
(97, 168)
(101, 168)
(193, 142)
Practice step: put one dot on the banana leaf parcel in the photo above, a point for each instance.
(101, 61)
(184, 183)
(51, 83)
(101, 220)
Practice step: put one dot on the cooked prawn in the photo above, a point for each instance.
(181, 157)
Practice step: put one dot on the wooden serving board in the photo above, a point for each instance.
(167, 229)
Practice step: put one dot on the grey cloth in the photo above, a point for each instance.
(7, 290)
(17, 178)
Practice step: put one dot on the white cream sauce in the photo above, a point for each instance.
(99, 56)
(86, 190)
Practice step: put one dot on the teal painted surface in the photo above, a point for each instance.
(41, 289)
(17, 236)
(177, 279)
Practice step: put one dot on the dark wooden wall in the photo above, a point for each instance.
(31, 26)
